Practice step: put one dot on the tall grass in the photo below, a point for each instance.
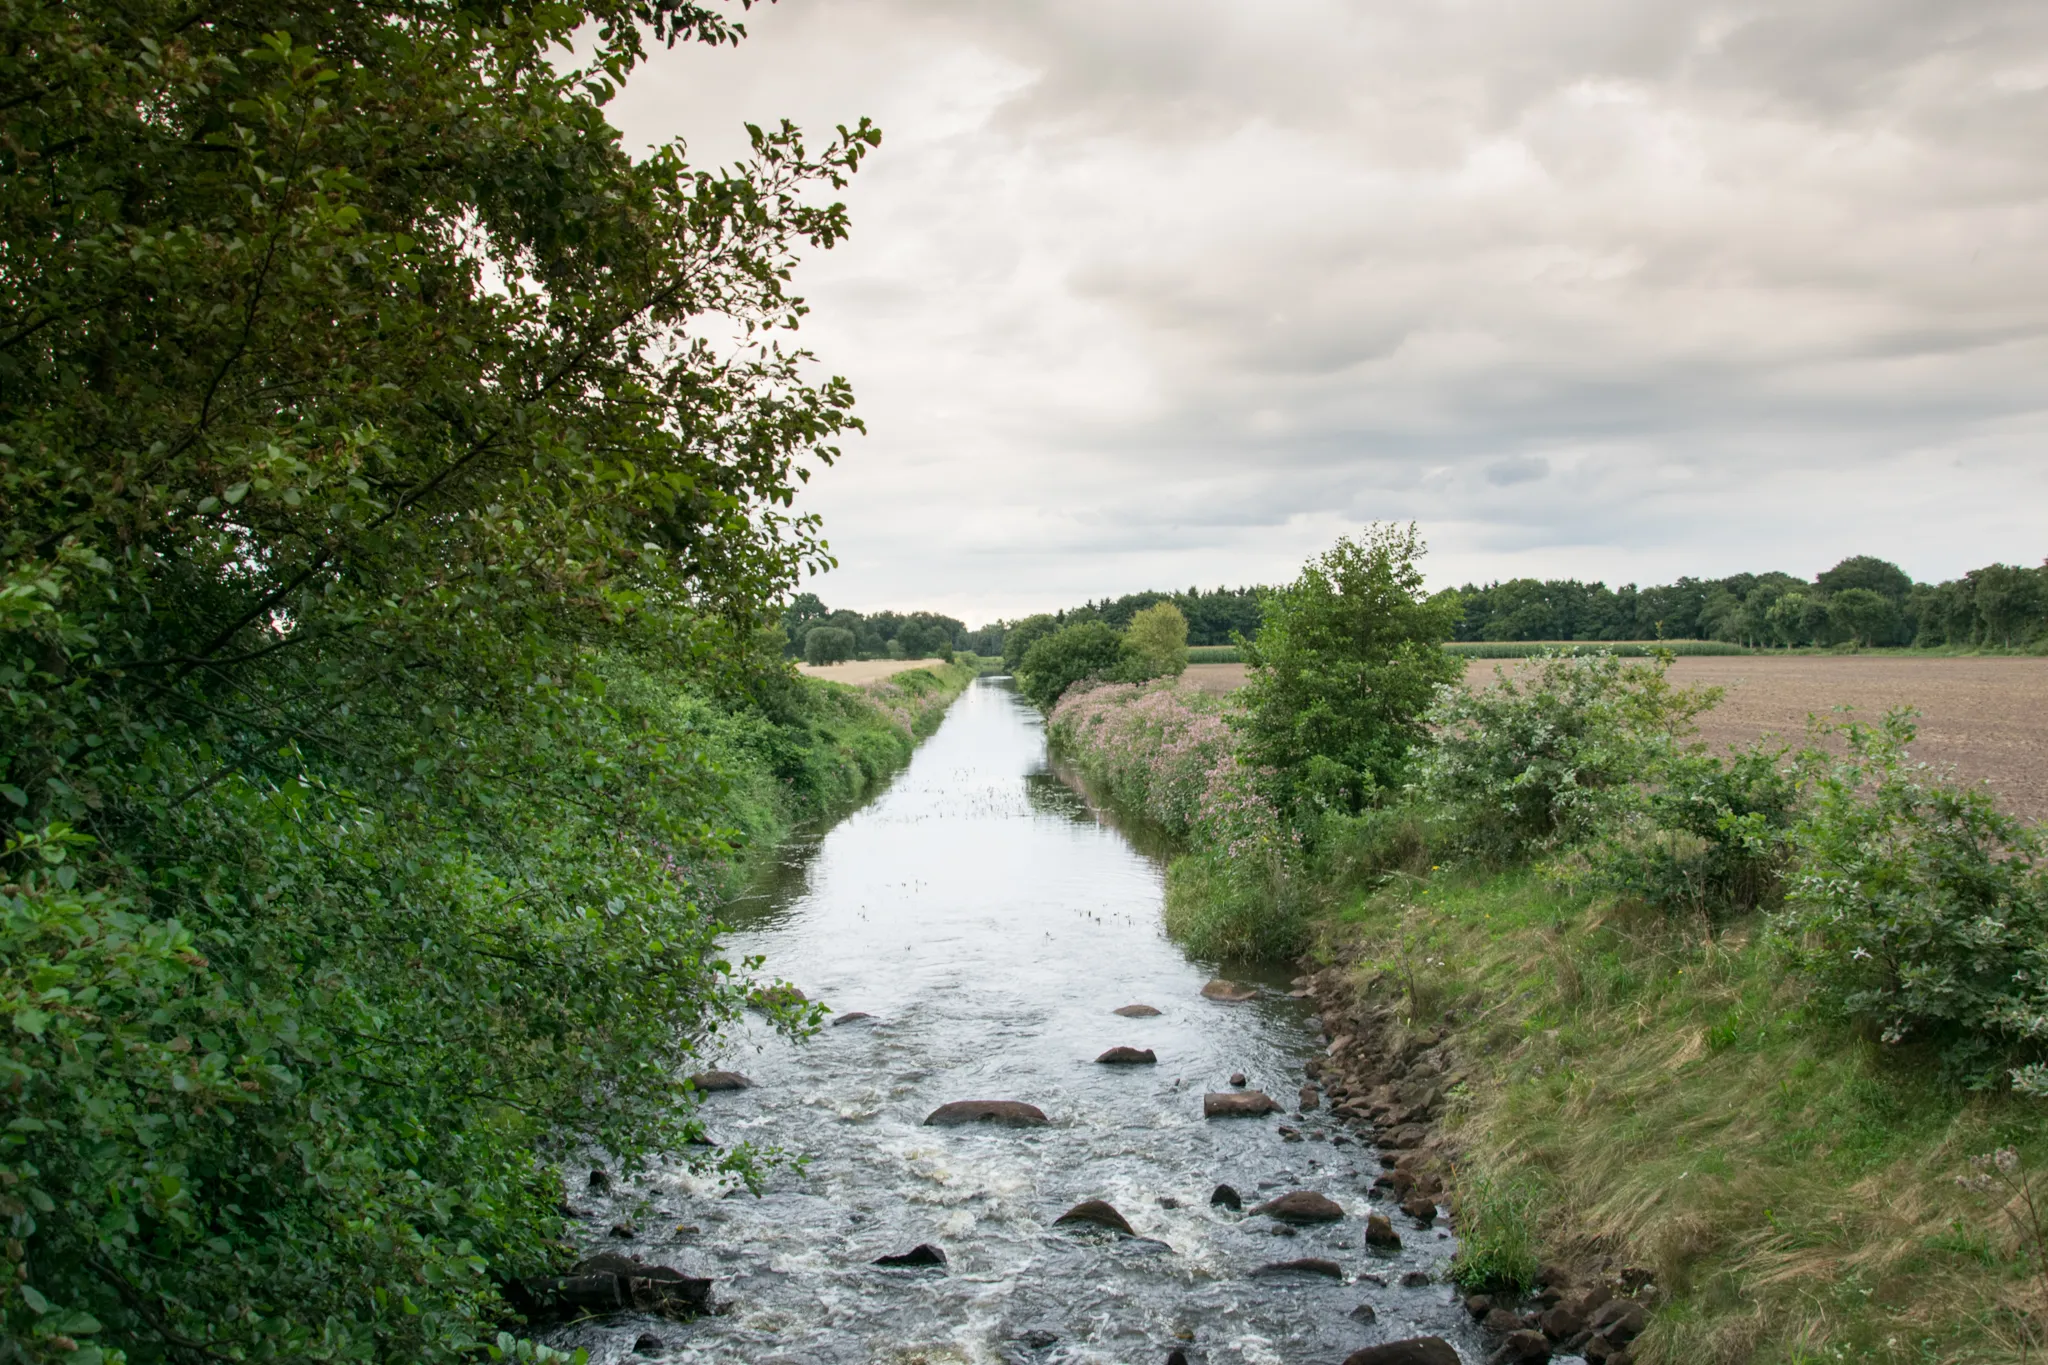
(1215, 654)
(1635, 649)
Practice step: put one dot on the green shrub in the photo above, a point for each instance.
(1920, 909)
(1087, 649)
(827, 645)
(1344, 666)
(1712, 837)
(1547, 756)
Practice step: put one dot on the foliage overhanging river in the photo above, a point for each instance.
(990, 923)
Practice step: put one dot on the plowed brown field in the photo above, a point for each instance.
(1986, 717)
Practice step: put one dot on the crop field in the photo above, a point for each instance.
(858, 671)
(1987, 717)
(1523, 649)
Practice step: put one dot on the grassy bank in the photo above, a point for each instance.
(1671, 1100)
(1643, 1085)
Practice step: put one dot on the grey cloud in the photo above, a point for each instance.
(1154, 292)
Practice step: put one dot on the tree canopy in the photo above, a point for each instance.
(375, 435)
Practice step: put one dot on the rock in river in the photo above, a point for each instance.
(1223, 1104)
(1306, 1265)
(1301, 1206)
(1136, 1011)
(852, 1017)
(1007, 1113)
(1379, 1232)
(720, 1080)
(1100, 1212)
(1413, 1351)
(1230, 992)
(924, 1253)
(1225, 1196)
(1127, 1056)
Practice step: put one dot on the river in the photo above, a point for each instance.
(989, 922)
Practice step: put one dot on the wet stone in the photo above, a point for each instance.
(720, 1080)
(1303, 1265)
(1365, 1313)
(1223, 1104)
(852, 1017)
(1002, 1113)
(924, 1253)
(1225, 1197)
(1136, 1011)
(1302, 1206)
(1413, 1351)
(648, 1344)
(1099, 1212)
(1230, 992)
(1379, 1232)
(1127, 1056)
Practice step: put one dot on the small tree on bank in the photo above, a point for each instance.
(1347, 661)
(1159, 637)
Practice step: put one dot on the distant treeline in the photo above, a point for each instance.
(1212, 618)
(1862, 600)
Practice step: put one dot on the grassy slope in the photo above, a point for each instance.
(814, 750)
(1677, 1107)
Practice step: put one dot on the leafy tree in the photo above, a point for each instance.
(827, 645)
(1862, 616)
(1347, 661)
(1868, 572)
(1021, 635)
(1159, 637)
(364, 459)
(1071, 654)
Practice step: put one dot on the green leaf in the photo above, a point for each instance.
(33, 1299)
(32, 1021)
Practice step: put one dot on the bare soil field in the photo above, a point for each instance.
(1214, 677)
(858, 671)
(1986, 717)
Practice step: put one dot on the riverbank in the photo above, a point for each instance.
(1640, 1101)
(810, 749)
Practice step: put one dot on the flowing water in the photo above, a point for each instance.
(990, 923)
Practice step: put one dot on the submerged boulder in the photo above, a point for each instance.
(721, 1080)
(924, 1253)
(1230, 992)
(852, 1017)
(611, 1283)
(1305, 1265)
(1302, 1206)
(1127, 1056)
(1003, 1113)
(1135, 1011)
(1101, 1213)
(1226, 1197)
(1224, 1104)
(1413, 1351)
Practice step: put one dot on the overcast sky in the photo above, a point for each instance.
(1148, 294)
